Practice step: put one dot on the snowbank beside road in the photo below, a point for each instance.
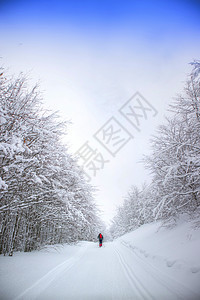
(174, 250)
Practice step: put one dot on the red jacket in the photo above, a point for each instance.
(100, 236)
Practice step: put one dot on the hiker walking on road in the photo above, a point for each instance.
(100, 237)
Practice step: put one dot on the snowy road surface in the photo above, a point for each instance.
(152, 262)
(114, 271)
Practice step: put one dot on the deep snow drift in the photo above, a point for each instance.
(151, 262)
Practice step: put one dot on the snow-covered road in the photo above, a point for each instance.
(114, 271)
(152, 262)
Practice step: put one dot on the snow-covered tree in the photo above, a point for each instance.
(134, 212)
(175, 158)
(174, 163)
(44, 197)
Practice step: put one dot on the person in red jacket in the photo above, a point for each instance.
(100, 237)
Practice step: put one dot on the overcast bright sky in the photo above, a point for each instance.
(91, 57)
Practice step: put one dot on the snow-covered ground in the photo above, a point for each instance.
(149, 263)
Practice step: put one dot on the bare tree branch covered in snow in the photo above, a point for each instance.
(44, 198)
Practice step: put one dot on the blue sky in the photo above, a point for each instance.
(92, 56)
(152, 18)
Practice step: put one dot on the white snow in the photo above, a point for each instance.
(3, 185)
(151, 262)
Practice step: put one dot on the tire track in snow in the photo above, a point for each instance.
(173, 286)
(40, 285)
(134, 281)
